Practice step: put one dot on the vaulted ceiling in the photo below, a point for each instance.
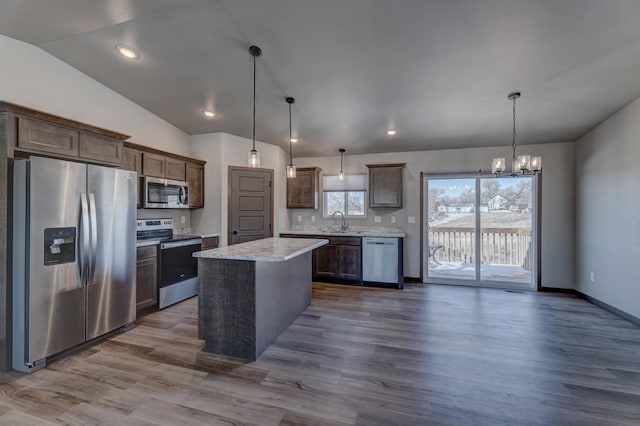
(437, 71)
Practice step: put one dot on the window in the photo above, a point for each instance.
(347, 196)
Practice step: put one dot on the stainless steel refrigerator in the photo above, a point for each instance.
(74, 256)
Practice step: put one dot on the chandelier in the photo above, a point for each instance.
(521, 164)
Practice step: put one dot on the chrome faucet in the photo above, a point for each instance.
(344, 221)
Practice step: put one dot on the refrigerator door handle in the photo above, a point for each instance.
(94, 237)
(84, 245)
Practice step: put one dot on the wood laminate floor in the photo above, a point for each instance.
(441, 355)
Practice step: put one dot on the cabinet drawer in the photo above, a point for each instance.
(39, 136)
(344, 241)
(145, 252)
(209, 243)
(100, 148)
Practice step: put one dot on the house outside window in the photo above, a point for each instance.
(347, 196)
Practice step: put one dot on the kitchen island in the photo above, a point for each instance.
(250, 292)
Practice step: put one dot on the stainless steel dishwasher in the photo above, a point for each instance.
(380, 260)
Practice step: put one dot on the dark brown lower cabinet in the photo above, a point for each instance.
(146, 277)
(338, 261)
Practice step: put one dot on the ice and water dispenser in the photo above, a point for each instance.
(59, 245)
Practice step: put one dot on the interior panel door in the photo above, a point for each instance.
(250, 209)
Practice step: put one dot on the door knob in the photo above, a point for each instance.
(234, 232)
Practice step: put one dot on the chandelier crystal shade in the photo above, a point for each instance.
(291, 169)
(254, 155)
(521, 164)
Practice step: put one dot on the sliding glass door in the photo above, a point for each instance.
(480, 230)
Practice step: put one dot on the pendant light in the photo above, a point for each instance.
(291, 169)
(254, 156)
(524, 164)
(341, 175)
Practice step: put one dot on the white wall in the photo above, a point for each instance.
(221, 150)
(31, 77)
(558, 201)
(608, 210)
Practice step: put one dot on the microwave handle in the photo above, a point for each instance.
(181, 195)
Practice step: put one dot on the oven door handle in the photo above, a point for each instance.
(174, 244)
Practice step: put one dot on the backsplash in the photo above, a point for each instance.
(352, 228)
(386, 217)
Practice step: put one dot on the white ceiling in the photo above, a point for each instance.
(437, 70)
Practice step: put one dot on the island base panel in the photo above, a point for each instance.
(245, 305)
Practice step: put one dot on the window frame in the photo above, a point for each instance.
(345, 195)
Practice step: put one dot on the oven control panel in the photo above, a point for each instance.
(154, 224)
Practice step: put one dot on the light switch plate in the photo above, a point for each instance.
(183, 219)
(411, 219)
(299, 218)
(377, 219)
(313, 218)
(393, 219)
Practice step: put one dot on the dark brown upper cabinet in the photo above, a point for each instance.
(154, 165)
(302, 191)
(175, 169)
(385, 185)
(132, 160)
(195, 177)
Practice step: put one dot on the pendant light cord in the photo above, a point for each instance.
(254, 103)
(290, 142)
(514, 127)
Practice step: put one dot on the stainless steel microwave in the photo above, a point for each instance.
(165, 193)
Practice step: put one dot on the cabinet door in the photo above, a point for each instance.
(349, 260)
(146, 283)
(100, 148)
(195, 177)
(153, 165)
(175, 169)
(132, 160)
(302, 191)
(325, 262)
(39, 136)
(385, 187)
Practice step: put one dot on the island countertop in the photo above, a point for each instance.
(265, 250)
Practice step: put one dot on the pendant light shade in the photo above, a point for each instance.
(291, 169)
(254, 155)
(341, 174)
(521, 164)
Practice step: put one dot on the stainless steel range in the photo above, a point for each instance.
(178, 268)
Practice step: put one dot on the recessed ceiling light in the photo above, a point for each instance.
(294, 140)
(208, 113)
(391, 132)
(127, 52)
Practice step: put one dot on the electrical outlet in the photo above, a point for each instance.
(411, 219)
(299, 218)
(593, 277)
(377, 219)
(393, 219)
(313, 218)
(183, 219)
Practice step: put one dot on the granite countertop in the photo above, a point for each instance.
(145, 243)
(209, 235)
(355, 231)
(265, 250)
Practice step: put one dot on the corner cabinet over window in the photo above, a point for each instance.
(385, 185)
(302, 191)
